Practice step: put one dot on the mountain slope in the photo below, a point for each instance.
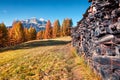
(38, 24)
(51, 59)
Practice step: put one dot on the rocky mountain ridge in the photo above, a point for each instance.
(38, 24)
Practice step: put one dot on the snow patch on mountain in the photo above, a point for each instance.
(38, 24)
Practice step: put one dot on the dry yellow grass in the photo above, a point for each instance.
(51, 59)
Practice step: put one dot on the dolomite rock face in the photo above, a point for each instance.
(98, 36)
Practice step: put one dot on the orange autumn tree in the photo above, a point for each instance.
(69, 24)
(32, 33)
(43, 34)
(26, 34)
(48, 30)
(3, 35)
(11, 38)
(61, 31)
(66, 27)
(39, 35)
(56, 29)
(18, 31)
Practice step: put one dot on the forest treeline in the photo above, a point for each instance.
(19, 34)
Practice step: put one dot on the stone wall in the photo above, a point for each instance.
(98, 36)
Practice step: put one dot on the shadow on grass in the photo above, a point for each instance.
(34, 44)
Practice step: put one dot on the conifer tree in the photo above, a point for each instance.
(18, 32)
(66, 26)
(61, 31)
(39, 35)
(48, 30)
(3, 35)
(11, 38)
(26, 34)
(69, 24)
(56, 29)
(32, 33)
(43, 34)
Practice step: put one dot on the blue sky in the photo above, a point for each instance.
(11, 10)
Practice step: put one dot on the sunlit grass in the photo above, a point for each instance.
(43, 60)
(84, 69)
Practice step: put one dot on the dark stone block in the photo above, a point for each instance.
(102, 61)
(116, 75)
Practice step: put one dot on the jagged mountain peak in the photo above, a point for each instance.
(38, 24)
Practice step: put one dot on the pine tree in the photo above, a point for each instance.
(26, 34)
(39, 35)
(18, 31)
(32, 33)
(56, 29)
(61, 31)
(66, 26)
(48, 30)
(3, 35)
(11, 38)
(43, 34)
(69, 24)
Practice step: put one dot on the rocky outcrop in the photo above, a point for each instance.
(98, 36)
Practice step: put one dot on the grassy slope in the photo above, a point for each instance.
(43, 60)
